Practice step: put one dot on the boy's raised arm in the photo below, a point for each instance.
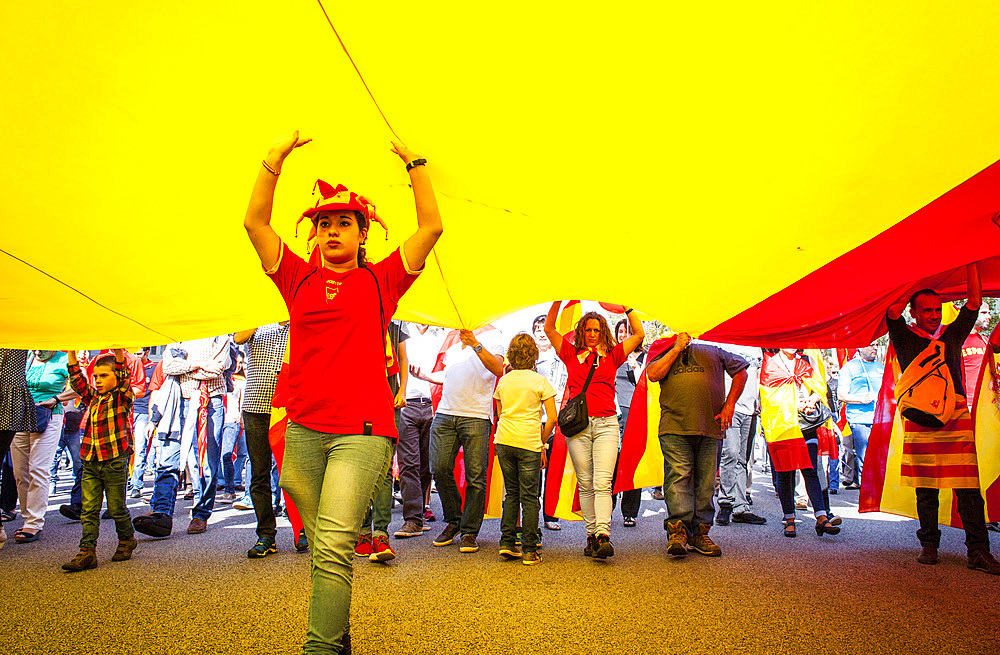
(76, 379)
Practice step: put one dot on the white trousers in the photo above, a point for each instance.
(594, 453)
(32, 454)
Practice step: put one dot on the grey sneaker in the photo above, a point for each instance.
(447, 537)
(409, 529)
(468, 544)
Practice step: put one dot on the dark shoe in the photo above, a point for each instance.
(72, 512)
(468, 544)
(591, 546)
(928, 555)
(197, 526)
(834, 520)
(381, 550)
(240, 487)
(531, 559)
(833, 491)
(725, 512)
(7, 517)
(982, 560)
(995, 526)
(189, 495)
(628, 522)
(409, 529)
(264, 547)
(447, 536)
(701, 543)
(85, 559)
(363, 546)
(604, 548)
(124, 550)
(301, 542)
(749, 517)
(155, 524)
(657, 493)
(789, 527)
(25, 537)
(105, 515)
(511, 552)
(825, 527)
(677, 542)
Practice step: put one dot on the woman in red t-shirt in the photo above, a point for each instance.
(341, 429)
(594, 451)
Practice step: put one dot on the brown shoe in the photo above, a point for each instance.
(85, 559)
(701, 543)
(197, 526)
(677, 543)
(124, 550)
(928, 555)
(981, 560)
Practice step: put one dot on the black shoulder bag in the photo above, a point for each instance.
(573, 418)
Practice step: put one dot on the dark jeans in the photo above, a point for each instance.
(472, 435)
(633, 497)
(970, 509)
(522, 475)
(259, 450)
(689, 463)
(785, 484)
(102, 479)
(413, 456)
(70, 440)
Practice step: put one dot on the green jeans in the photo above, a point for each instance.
(100, 479)
(332, 479)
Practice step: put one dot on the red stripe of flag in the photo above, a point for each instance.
(951, 471)
(789, 455)
(940, 448)
(958, 425)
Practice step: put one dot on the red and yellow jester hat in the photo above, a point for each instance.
(338, 198)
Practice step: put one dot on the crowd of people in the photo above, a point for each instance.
(352, 392)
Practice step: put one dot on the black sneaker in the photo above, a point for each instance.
(301, 543)
(591, 547)
(264, 547)
(725, 511)
(72, 511)
(604, 548)
(747, 517)
(447, 537)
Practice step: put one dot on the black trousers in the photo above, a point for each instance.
(259, 451)
(8, 485)
(971, 509)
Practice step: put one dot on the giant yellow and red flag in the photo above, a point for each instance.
(882, 485)
(640, 462)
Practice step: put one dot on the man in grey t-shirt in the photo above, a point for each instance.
(694, 412)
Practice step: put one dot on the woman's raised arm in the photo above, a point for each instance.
(429, 226)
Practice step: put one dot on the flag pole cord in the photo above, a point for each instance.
(371, 95)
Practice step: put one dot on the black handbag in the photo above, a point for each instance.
(815, 417)
(573, 417)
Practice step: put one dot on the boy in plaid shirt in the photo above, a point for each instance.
(106, 449)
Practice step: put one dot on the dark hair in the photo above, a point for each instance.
(362, 225)
(105, 360)
(605, 339)
(923, 292)
(538, 320)
(522, 353)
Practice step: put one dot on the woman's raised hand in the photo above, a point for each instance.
(283, 146)
(404, 153)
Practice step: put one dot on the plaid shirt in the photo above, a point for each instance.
(266, 349)
(109, 415)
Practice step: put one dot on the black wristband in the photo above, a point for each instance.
(416, 162)
(629, 311)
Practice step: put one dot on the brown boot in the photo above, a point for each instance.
(928, 555)
(677, 543)
(85, 559)
(982, 560)
(700, 542)
(124, 550)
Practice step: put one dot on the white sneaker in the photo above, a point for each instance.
(243, 503)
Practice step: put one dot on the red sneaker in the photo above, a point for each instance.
(381, 550)
(364, 545)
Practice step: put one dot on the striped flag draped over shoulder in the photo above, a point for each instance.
(883, 487)
(779, 417)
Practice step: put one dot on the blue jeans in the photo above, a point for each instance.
(689, 477)
(206, 480)
(70, 440)
(862, 432)
(233, 438)
(472, 435)
(522, 476)
(142, 453)
(168, 466)
(331, 478)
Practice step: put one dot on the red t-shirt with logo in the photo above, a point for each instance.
(601, 392)
(337, 364)
(972, 361)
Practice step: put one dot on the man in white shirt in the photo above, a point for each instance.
(463, 420)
